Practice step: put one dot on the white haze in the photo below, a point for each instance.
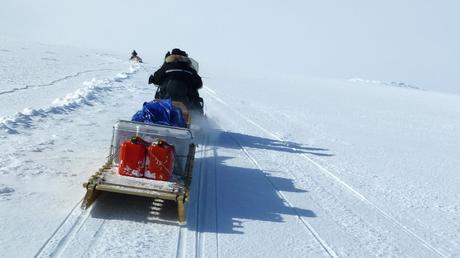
(415, 42)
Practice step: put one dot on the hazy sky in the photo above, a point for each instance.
(417, 42)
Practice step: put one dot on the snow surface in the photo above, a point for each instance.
(287, 166)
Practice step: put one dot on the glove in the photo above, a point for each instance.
(151, 79)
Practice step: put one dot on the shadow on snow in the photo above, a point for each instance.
(255, 142)
(232, 194)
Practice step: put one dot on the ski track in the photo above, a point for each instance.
(326, 172)
(69, 103)
(26, 87)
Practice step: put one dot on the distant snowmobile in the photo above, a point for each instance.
(135, 58)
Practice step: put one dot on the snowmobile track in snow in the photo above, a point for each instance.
(307, 225)
(328, 173)
(200, 204)
(200, 194)
(197, 195)
(66, 237)
(66, 231)
(32, 86)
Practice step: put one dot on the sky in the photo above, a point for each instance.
(415, 42)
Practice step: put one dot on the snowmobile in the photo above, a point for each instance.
(180, 90)
(135, 58)
(115, 176)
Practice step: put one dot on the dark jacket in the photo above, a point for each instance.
(178, 80)
(179, 68)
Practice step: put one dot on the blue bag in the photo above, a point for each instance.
(159, 112)
(177, 119)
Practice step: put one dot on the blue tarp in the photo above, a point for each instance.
(160, 111)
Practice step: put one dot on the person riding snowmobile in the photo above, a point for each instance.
(177, 79)
(135, 57)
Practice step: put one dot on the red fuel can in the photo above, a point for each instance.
(160, 161)
(132, 157)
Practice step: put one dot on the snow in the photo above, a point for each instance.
(332, 129)
(339, 169)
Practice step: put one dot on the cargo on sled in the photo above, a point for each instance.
(150, 160)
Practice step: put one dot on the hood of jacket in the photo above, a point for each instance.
(177, 58)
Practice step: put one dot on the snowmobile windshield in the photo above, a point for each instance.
(194, 64)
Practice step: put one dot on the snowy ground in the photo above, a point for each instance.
(286, 166)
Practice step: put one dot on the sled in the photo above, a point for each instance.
(107, 178)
